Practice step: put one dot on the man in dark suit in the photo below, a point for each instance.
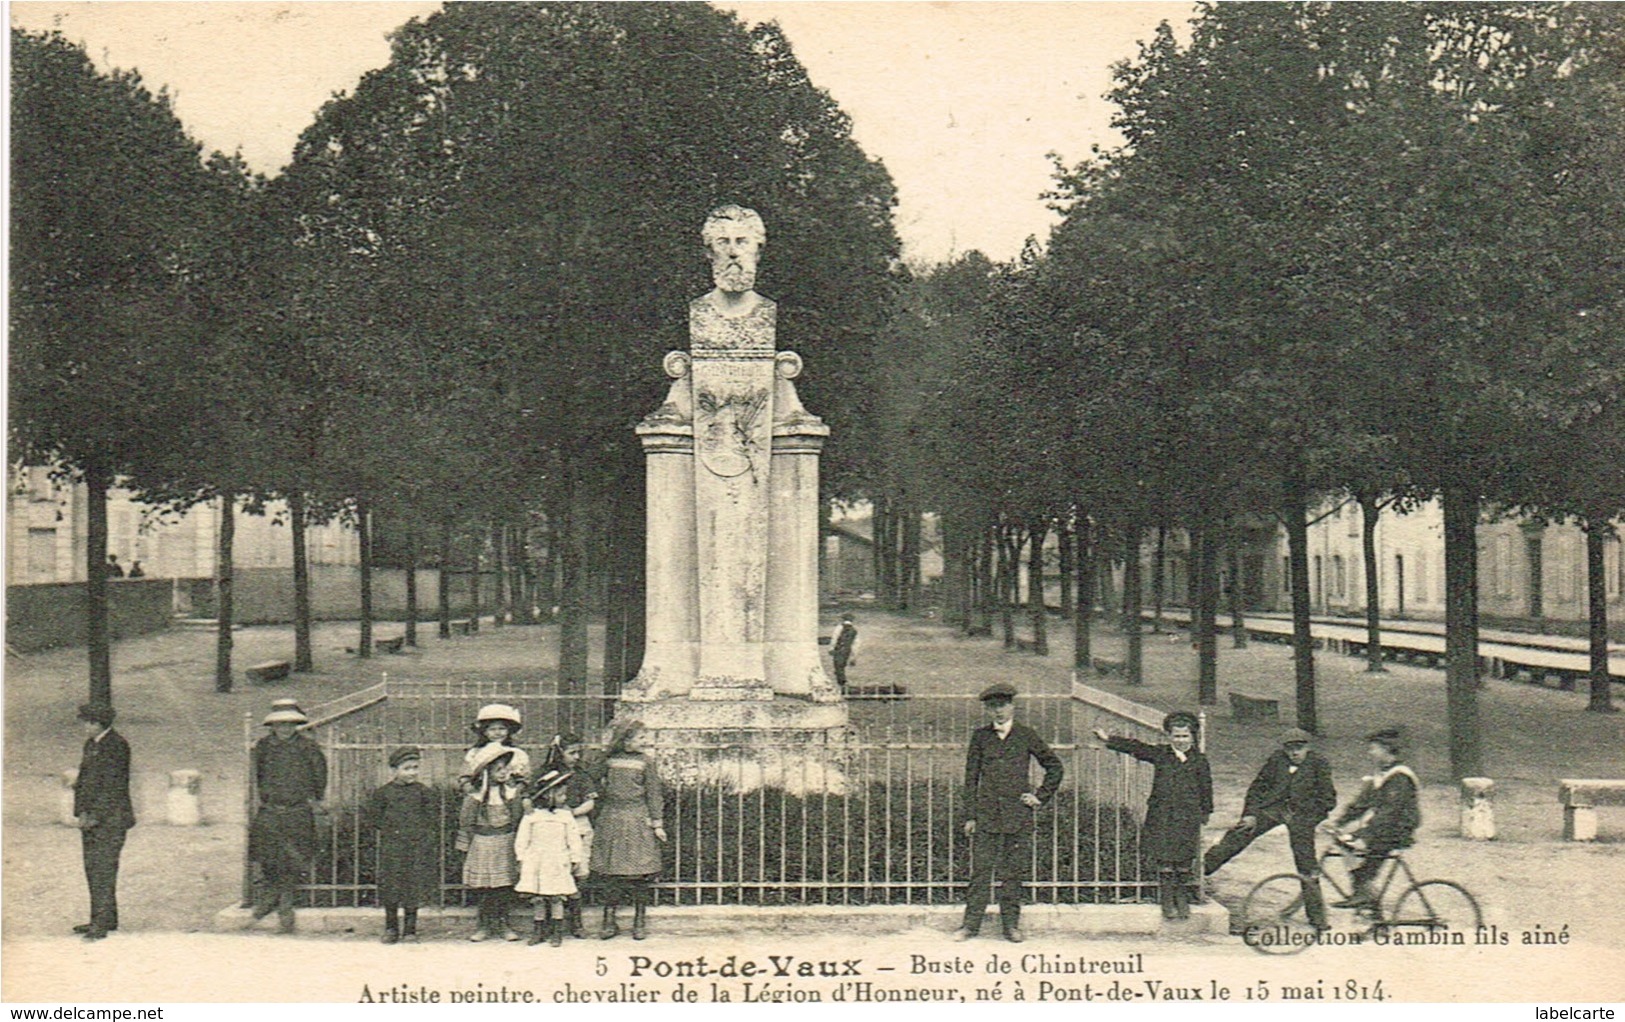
(999, 806)
(101, 804)
(1294, 789)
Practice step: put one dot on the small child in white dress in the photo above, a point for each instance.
(551, 857)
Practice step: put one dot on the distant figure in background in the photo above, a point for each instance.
(843, 648)
(290, 777)
(114, 570)
(135, 570)
(406, 815)
(101, 803)
(1181, 801)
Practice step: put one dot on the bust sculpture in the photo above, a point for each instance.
(732, 316)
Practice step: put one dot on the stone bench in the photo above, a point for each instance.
(269, 672)
(1250, 707)
(395, 645)
(1103, 666)
(1580, 800)
(462, 628)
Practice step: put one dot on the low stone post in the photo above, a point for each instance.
(64, 812)
(1478, 808)
(185, 798)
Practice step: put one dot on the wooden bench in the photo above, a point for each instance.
(1251, 707)
(1580, 800)
(269, 672)
(1103, 666)
(395, 645)
(462, 628)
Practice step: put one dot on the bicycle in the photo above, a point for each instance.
(1275, 923)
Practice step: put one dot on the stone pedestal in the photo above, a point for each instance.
(731, 669)
(184, 801)
(1478, 808)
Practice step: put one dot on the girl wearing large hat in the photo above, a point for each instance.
(486, 824)
(1180, 803)
(290, 779)
(495, 724)
(629, 831)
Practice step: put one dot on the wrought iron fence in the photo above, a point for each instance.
(876, 819)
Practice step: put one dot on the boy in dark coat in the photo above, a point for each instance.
(1294, 789)
(101, 804)
(406, 815)
(290, 778)
(999, 809)
(1388, 804)
(1181, 801)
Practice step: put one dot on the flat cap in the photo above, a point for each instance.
(1001, 690)
(1296, 736)
(403, 753)
(1391, 738)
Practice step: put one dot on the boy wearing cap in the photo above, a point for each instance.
(1387, 801)
(405, 813)
(290, 778)
(101, 804)
(1293, 789)
(1180, 803)
(999, 809)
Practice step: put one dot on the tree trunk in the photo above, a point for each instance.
(1370, 514)
(304, 659)
(825, 594)
(986, 594)
(1159, 578)
(1294, 511)
(624, 615)
(443, 611)
(1597, 532)
(98, 643)
(948, 594)
(1238, 622)
(1461, 629)
(1035, 588)
(573, 598)
(223, 608)
(1009, 582)
(1083, 618)
(502, 608)
(363, 515)
(527, 574)
(411, 636)
(1207, 599)
(1133, 604)
(1065, 552)
(911, 557)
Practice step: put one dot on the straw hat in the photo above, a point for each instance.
(492, 712)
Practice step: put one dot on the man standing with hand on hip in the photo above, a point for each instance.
(999, 805)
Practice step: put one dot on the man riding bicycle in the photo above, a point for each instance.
(1387, 807)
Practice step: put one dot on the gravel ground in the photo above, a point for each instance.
(174, 879)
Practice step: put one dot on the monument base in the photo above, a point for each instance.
(798, 745)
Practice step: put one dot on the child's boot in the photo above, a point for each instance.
(410, 932)
(572, 918)
(612, 927)
(392, 926)
(555, 936)
(284, 913)
(1167, 880)
(640, 919)
(538, 931)
(1182, 895)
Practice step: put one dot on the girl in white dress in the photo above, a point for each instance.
(548, 846)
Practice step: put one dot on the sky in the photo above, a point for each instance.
(961, 101)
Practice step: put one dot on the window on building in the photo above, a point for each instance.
(1572, 566)
(1422, 559)
(1502, 568)
(1339, 577)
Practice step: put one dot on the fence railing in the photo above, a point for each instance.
(876, 819)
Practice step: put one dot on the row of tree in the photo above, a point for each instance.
(1350, 251)
(441, 320)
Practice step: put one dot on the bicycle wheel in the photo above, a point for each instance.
(1273, 919)
(1437, 906)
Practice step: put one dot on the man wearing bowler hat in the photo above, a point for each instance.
(1293, 789)
(101, 804)
(999, 804)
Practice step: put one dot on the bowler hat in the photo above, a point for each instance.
(998, 692)
(1296, 736)
(97, 713)
(404, 753)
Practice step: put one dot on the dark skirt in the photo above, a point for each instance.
(624, 844)
(282, 839)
